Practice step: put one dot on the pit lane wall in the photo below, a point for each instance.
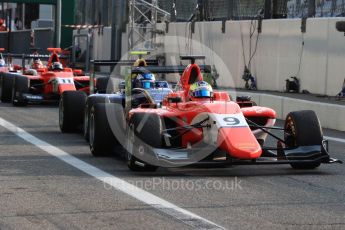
(319, 63)
(280, 53)
(331, 116)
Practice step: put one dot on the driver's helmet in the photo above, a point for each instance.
(145, 81)
(57, 66)
(2, 63)
(37, 64)
(200, 89)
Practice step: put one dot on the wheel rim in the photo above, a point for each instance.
(290, 132)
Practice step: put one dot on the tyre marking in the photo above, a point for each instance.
(156, 202)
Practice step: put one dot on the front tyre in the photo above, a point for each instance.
(20, 87)
(71, 111)
(102, 117)
(302, 128)
(144, 134)
(134, 149)
(6, 84)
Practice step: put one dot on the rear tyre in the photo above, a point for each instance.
(102, 84)
(20, 87)
(6, 87)
(302, 128)
(71, 111)
(90, 102)
(101, 138)
(144, 133)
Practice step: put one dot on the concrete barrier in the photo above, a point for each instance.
(330, 115)
(317, 57)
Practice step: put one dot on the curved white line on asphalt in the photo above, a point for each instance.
(334, 139)
(156, 202)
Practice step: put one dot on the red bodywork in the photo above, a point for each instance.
(51, 84)
(228, 129)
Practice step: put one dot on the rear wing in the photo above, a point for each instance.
(114, 63)
(192, 58)
(168, 69)
(25, 57)
(29, 56)
(120, 62)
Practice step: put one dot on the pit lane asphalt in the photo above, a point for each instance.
(38, 191)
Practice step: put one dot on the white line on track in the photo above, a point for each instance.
(156, 202)
(334, 139)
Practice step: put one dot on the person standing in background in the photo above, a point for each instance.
(2, 25)
(18, 23)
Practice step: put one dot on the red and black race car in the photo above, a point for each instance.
(198, 126)
(41, 83)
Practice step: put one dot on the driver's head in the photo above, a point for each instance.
(140, 62)
(1, 21)
(145, 81)
(200, 89)
(37, 64)
(57, 66)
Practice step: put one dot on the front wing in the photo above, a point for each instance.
(189, 157)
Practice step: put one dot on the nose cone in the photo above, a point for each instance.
(239, 142)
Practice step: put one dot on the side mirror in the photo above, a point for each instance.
(340, 26)
(78, 72)
(174, 99)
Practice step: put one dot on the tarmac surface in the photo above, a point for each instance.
(40, 191)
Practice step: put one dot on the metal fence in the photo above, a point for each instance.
(317, 8)
(94, 12)
(246, 9)
(100, 11)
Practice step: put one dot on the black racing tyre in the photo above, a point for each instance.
(90, 102)
(148, 128)
(21, 85)
(6, 87)
(102, 84)
(144, 133)
(71, 111)
(138, 165)
(101, 138)
(302, 128)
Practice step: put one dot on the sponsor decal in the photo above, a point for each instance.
(230, 120)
